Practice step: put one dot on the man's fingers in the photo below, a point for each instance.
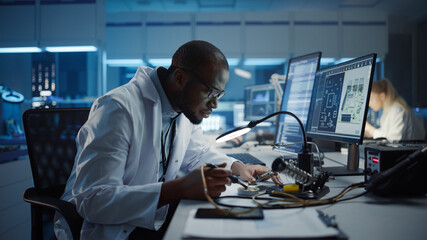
(216, 185)
(276, 179)
(218, 172)
(217, 181)
(216, 191)
(222, 165)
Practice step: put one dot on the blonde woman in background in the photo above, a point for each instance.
(398, 121)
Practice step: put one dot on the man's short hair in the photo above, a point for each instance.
(195, 53)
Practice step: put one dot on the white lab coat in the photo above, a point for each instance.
(396, 124)
(114, 183)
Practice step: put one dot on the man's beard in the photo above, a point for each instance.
(185, 107)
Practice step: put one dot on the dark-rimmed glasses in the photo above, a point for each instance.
(213, 92)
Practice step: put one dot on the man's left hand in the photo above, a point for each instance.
(248, 172)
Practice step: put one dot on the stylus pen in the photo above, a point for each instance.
(234, 178)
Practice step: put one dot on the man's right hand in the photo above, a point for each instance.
(191, 185)
(216, 179)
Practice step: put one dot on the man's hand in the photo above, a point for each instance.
(216, 179)
(191, 185)
(248, 172)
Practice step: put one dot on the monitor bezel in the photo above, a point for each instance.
(344, 139)
(294, 59)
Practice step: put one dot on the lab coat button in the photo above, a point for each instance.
(176, 161)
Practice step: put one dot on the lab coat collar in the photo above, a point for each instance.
(147, 88)
(167, 109)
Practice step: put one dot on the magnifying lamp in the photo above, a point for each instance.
(305, 157)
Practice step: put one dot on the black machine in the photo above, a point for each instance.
(396, 169)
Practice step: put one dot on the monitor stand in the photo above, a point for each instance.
(352, 167)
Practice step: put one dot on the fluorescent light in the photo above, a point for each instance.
(20, 50)
(264, 61)
(124, 62)
(72, 49)
(324, 61)
(165, 62)
(242, 73)
(233, 61)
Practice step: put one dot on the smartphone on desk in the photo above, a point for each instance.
(234, 213)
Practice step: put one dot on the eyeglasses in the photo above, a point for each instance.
(213, 92)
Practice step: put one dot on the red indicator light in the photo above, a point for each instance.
(375, 160)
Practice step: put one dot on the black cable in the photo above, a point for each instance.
(324, 201)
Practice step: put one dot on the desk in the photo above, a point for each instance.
(367, 217)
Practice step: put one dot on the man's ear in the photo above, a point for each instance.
(180, 78)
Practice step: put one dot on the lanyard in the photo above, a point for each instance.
(166, 160)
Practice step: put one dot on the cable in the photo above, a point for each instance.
(290, 202)
(208, 197)
(294, 202)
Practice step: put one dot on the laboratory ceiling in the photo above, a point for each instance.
(413, 9)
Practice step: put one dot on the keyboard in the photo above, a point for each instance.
(246, 158)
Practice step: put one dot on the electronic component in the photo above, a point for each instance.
(396, 170)
(249, 192)
(379, 158)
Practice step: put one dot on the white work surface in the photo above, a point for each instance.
(366, 217)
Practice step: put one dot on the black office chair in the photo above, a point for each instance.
(50, 136)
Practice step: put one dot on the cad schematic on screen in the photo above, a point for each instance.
(340, 99)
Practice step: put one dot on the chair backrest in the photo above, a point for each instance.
(50, 136)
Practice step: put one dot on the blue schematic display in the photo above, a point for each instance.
(331, 102)
(340, 100)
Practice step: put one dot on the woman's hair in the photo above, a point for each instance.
(391, 96)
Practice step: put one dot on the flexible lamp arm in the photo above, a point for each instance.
(242, 130)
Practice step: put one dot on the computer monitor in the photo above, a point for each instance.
(296, 99)
(260, 101)
(339, 106)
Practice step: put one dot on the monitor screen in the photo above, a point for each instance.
(296, 99)
(340, 101)
(260, 101)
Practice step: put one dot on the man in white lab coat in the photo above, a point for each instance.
(137, 140)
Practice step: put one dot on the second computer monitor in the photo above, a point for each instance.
(340, 101)
(260, 101)
(296, 99)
